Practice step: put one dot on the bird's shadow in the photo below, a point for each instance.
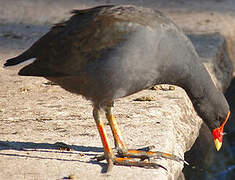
(52, 148)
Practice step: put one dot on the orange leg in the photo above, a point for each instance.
(108, 152)
(120, 144)
(126, 157)
(118, 139)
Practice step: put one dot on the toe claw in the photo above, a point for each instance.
(170, 156)
(154, 165)
(185, 162)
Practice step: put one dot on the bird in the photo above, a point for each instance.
(112, 51)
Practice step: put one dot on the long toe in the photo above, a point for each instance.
(124, 161)
(131, 153)
(143, 154)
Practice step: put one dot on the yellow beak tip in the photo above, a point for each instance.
(218, 144)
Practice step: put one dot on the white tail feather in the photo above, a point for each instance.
(20, 65)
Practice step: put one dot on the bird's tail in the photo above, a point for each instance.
(19, 61)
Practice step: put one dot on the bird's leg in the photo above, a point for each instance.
(120, 144)
(108, 152)
(118, 139)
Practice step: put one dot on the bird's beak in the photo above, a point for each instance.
(218, 144)
(218, 134)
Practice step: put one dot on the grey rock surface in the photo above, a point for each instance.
(35, 115)
(213, 53)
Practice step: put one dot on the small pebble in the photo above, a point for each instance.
(144, 98)
(72, 176)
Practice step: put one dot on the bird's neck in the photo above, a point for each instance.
(198, 84)
(196, 81)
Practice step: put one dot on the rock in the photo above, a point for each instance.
(213, 53)
(202, 17)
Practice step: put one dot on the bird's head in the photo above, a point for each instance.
(215, 113)
(218, 133)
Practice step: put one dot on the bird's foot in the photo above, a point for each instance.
(125, 161)
(140, 158)
(131, 153)
(120, 152)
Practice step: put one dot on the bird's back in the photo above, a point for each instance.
(109, 52)
(88, 37)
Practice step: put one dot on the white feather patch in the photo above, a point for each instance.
(20, 65)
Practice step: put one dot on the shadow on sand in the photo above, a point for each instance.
(52, 148)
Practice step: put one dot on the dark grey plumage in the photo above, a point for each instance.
(109, 52)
